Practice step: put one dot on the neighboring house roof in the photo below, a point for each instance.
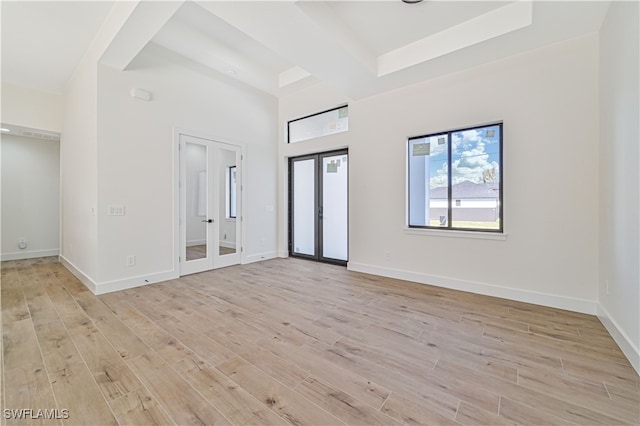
(467, 190)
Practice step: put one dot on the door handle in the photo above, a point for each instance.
(207, 220)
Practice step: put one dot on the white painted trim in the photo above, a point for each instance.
(259, 257)
(116, 285)
(179, 234)
(452, 233)
(127, 283)
(196, 243)
(551, 300)
(283, 253)
(626, 345)
(19, 255)
(177, 252)
(84, 278)
(243, 202)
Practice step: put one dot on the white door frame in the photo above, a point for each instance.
(213, 260)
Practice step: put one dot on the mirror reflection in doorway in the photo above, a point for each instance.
(196, 192)
(210, 204)
(228, 202)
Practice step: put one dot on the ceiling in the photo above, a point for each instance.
(43, 41)
(359, 47)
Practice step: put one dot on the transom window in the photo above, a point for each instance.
(455, 179)
(317, 125)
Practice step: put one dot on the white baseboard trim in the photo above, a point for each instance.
(259, 257)
(283, 253)
(629, 350)
(126, 283)
(116, 285)
(19, 255)
(228, 244)
(84, 278)
(196, 243)
(544, 299)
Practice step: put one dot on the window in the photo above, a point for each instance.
(321, 124)
(455, 179)
(231, 192)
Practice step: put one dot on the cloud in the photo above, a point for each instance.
(472, 162)
(465, 138)
(441, 178)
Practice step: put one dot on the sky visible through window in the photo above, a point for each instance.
(475, 157)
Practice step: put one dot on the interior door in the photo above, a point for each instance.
(318, 207)
(210, 204)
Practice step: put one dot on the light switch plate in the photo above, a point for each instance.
(115, 210)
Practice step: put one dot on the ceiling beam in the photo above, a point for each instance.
(289, 30)
(144, 21)
(492, 24)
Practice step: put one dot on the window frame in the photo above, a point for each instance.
(449, 228)
(314, 115)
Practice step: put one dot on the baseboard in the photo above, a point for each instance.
(228, 244)
(19, 255)
(283, 253)
(84, 278)
(544, 299)
(138, 281)
(196, 243)
(115, 285)
(259, 257)
(626, 345)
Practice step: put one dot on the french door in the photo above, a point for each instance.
(210, 204)
(319, 207)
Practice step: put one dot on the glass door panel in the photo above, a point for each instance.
(228, 173)
(318, 203)
(210, 203)
(334, 207)
(196, 204)
(196, 192)
(227, 194)
(304, 207)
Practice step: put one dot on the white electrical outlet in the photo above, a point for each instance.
(387, 255)
(131, 260)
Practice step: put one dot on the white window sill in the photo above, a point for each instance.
(479, 235)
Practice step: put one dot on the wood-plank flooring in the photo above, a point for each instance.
(288, 341)
(200, 251)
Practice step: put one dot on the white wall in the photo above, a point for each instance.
(548, 100)
(619, 178)
(78, 154)
(31, 108)
(30, 197)
(136, 160)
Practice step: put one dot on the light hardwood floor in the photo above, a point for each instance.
(199, 252)
(289, 341)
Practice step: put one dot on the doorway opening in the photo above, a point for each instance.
(319, 207)
(30, 175)
(210, 204)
